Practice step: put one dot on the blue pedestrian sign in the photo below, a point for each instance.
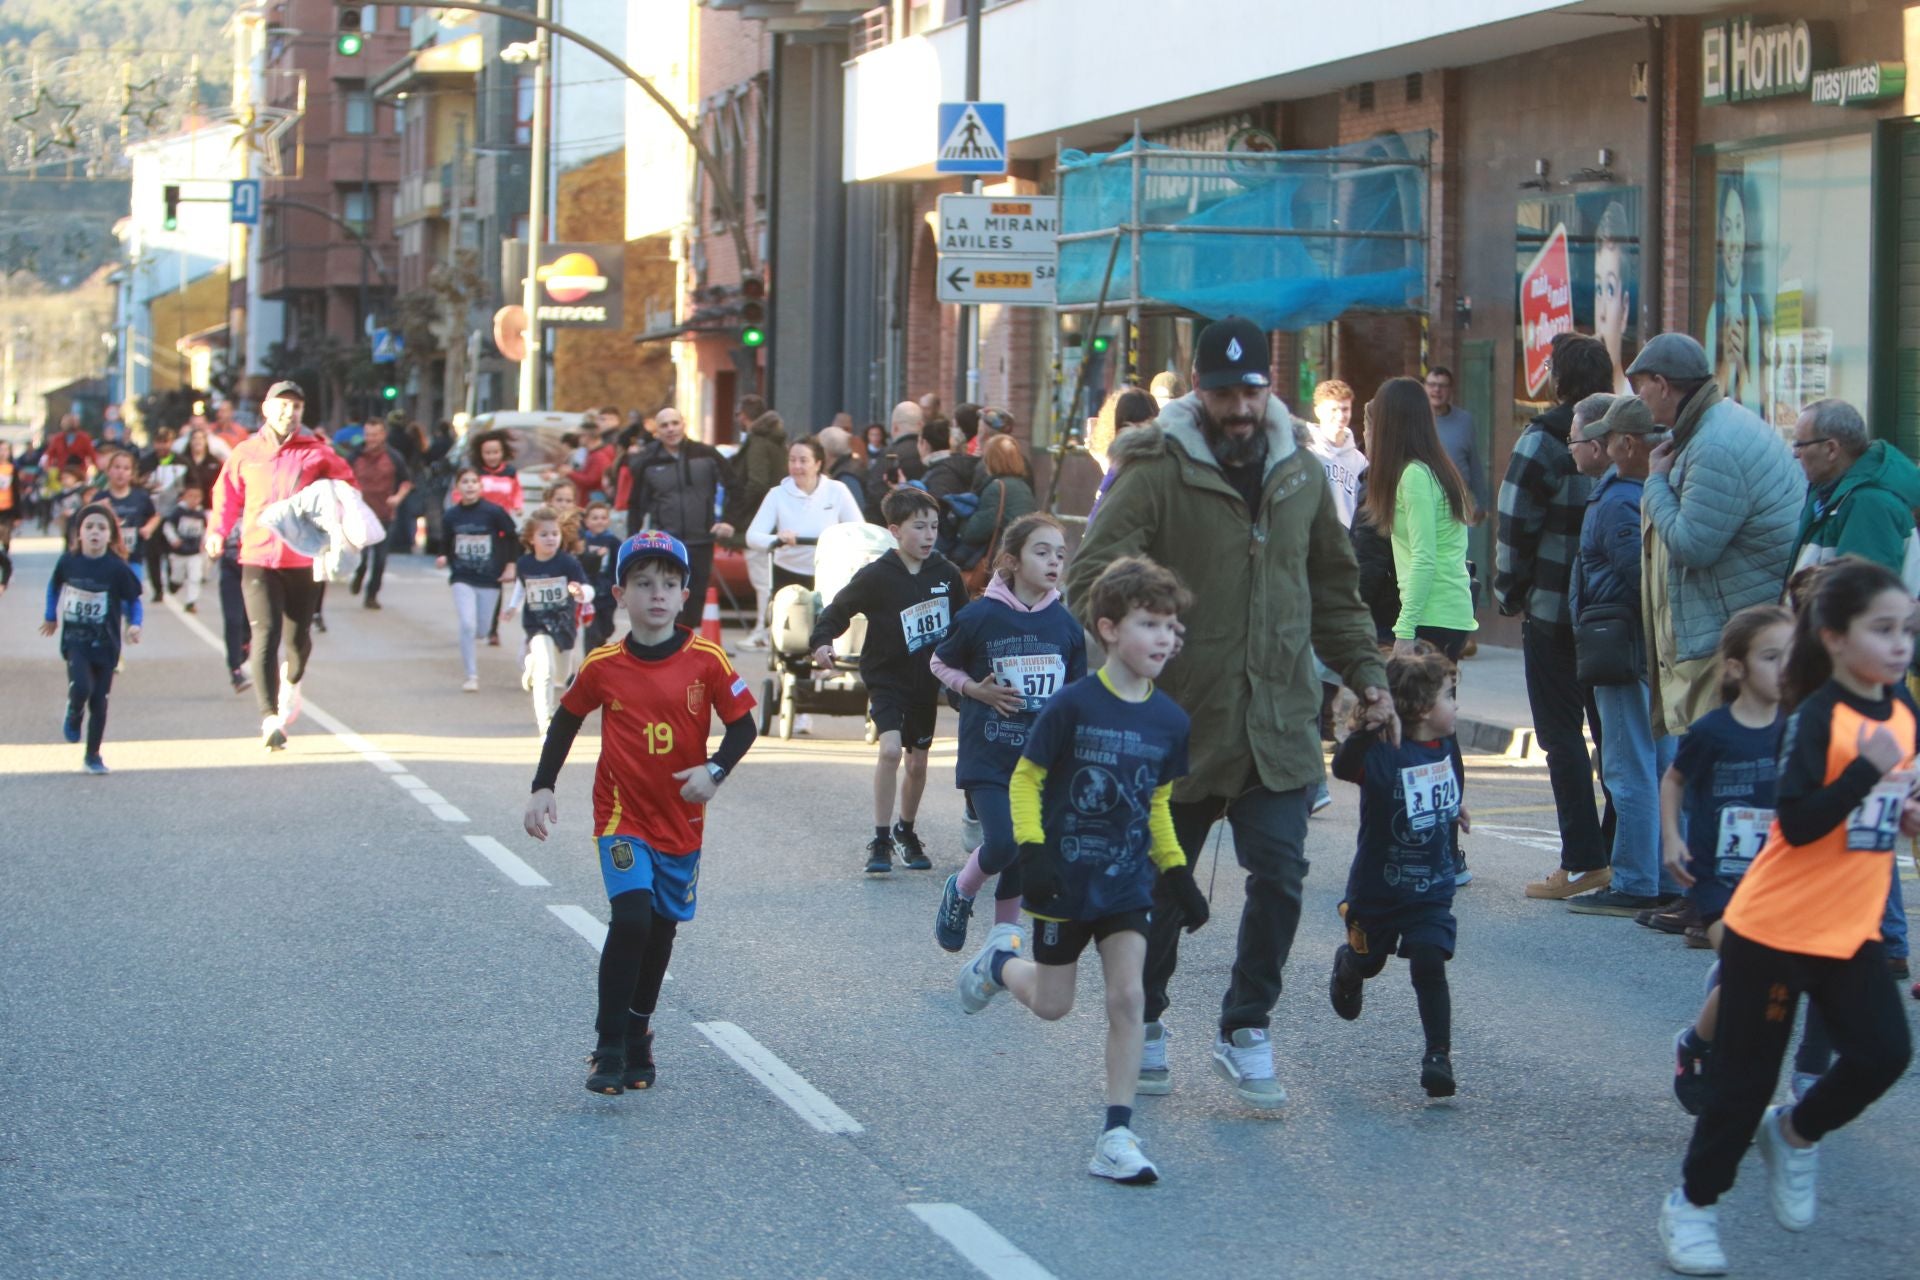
(973, 138)
(245, 210)
(387, 346)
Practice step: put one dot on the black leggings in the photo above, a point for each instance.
(1759, 990)
(89, 681)
(1428, 967)
(633, 964)
(233, 614)
(275, 597)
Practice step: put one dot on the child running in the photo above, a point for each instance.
(551, 584)
(1400, 887)
(133, 509)
(598, 550)
(491, 454)
(91, 590)
(1721, 786)
(481, 538)
(1091, 800)
(185, 531)
(1806, 916)
(1008, 654)
(909, 597)
(655, 690)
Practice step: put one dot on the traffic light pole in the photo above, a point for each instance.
(966, 375)
(536, 216)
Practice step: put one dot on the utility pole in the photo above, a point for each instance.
(966, 372)
(536, 211)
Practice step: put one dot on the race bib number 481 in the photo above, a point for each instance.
(924, 623)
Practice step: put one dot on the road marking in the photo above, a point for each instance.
(447, 813)
(410, 782)
(1531, 837)
(991, 1253)
(581, 922)
(786, 1084)
(508, 861)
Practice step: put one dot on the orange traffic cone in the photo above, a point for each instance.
(710, 616)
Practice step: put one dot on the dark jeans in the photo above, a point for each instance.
(1269, 840)
(89, 681)
(1445, 639)
(233, 614)
(1759, 991)
(154, 552)
(699, 573)
(274, 598)
(372, 567)
(1559, 705)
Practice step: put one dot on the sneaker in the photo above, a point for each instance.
(1247, 1060)
(353, 587)
(879, 855)
(1346, 991)
(493, 641)
(604, 1067)
(1897, 966)
(470, 685)
(70, 728)
(1791, 1172)
(241, 680)
(272, 734)
(319, 624)
(1692, 1236)
(290, 702)
(756, 639)
(1462, 875)
(1117, 1155)
(1607, 902)
(1799, 1083)
(1322, 799)
(803, 724)
(95, 766)
(1154, 1080)
(372, 603)
(1689, 1074)
(976, 984)
(1563, 884)
(638, 1072)
(526, 674)
(189, 608)
(1436, 1075)
(1676, 919)
(913, 854)
(950, 922)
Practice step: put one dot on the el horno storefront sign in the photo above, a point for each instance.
(1750, 59)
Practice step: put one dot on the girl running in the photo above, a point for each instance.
(1007, 654)
(133, 510)
(480, 539)
(1722, 783)
(1806, 915)
(551, 584)
(491, 454)
(91, 590)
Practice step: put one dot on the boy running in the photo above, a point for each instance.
(1090, 801)
(909, 597)
(654, 690)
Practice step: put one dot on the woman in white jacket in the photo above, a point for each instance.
(796, 511)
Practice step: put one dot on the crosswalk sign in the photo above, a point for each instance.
(973, 138)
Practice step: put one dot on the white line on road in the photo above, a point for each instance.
(786, 1084)
(581, 921)
(409, 782)
(991, 1253)
(447, 813)
(508, 861)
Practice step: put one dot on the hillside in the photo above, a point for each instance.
(53, 27)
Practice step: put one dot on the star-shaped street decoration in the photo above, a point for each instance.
(132, 104)
(262, 130)
(56, 130)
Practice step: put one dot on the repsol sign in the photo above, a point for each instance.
(1744, 59)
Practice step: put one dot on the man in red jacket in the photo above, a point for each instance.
(70, 444)
(275, 580)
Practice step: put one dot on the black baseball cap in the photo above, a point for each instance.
(290, 390)
(1231, 352)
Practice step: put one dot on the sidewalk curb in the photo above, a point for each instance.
(1516, 741)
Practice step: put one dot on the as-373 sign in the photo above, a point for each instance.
(579, 285)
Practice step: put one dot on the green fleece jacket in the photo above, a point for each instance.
(1271, 588)
(1868, 512)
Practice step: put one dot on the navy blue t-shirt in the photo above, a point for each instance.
(89, 596)
(1409, 813)
(1104, 758)
(480, 542)
(1039, 653)
(132, 511)
(1730, 771)
(546, 606)
(598, 554)
(189, 526)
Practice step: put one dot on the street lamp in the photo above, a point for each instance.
(517, 54)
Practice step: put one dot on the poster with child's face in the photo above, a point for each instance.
(1740, 320)
(1603, 246)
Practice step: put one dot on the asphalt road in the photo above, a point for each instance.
(325, 1013)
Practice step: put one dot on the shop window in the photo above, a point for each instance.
(1781, 280)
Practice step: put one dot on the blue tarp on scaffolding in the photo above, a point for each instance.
(1283, 281)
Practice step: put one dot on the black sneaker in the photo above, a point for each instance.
(879, 855)
(242, 682)
(639, 1068)
(1689, 1075)
(913, 854)
(1346, 990)
(604, 1067)
(319, 624)
(950, 922)
(1436, 1075)
(1897, 966)
(1611, 902)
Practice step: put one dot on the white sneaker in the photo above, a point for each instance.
(470, 685)
(1692, 1236)
(1118, 1156)
(272, 733)
(1007, 937)
(1154, 1079)
(1791, 1172)
(1322, 799)
(1247, 1060)
(526, 673)
(289, 704)
(756, 639)
(804, 724)
(976, 984)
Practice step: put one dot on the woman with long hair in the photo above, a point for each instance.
(1416, 496)
(1005, 497)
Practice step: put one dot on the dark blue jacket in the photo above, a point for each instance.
(1608, 568)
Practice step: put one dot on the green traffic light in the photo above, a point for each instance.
(753, 336)
(170, 223)
(1100, 344)
(390, 393)
(348, 44)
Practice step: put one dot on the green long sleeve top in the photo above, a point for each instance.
(1429, 557)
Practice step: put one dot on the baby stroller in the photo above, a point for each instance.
(796, 687)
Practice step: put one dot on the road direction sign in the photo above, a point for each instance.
(973, 138)
(244, 210)
(1020, 225)
(1015, 281)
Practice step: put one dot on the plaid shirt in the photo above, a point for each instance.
(1543, 500)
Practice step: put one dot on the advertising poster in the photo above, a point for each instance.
(1601, 226)
(1740, 332)
(1546, 309)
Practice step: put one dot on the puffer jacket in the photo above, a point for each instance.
(1867, 512)
(1271, 587)
(1726, 515)
(758, 468)
(257, 474)
(325, 521)
(677, 492)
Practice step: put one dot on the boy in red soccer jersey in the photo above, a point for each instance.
(655, 689)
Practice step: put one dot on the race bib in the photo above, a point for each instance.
(1743, 833)
(1874, 826)
(83, 608)
(546, 593)
(1035, 676)
(190, 526)
(129, 536)
(924, 623)
(473, 549)
(1432, 793)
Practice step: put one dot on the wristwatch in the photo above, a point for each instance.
(718, 774)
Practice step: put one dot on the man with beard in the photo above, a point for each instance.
(1223, 492)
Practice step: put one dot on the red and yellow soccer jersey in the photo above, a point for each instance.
(654, 718)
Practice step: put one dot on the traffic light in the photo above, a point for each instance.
(389, 392)
(349, 41)
(1099, 343)
(753, 312)
(171, 221)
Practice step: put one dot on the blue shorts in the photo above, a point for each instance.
(628, 863)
